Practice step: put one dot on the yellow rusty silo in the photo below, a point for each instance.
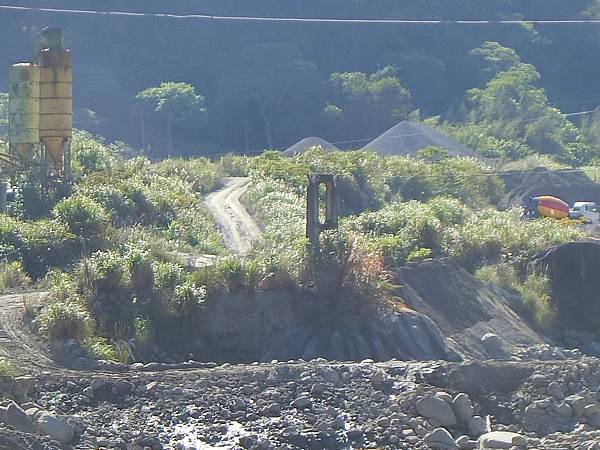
(56, 97)
(24, 109)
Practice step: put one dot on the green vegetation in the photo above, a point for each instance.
(534, 290)
(376, 102)
(176, 104)
(8, 369)
(110, 248)
(12, 275)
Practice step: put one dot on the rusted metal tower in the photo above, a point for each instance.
(314, 226)
(56, 101)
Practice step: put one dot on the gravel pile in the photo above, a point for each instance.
(407, 138)
(308, 143)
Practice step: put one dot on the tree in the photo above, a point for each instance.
(271, 85)
(495, 58)
(511, 106)
(368, 103)
(177, 104)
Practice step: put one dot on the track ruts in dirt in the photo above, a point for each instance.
(238, 228)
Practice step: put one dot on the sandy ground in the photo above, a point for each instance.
(238, 228)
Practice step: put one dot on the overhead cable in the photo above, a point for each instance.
(304, 19)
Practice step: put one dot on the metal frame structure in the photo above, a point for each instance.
(314, 226)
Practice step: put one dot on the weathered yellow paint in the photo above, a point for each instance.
(56, 90)
(55, 148)
(56, 101)
(56, 75)
(23, 108)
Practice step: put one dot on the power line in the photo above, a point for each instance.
(422, 133)
(304, 19)
(425, 133)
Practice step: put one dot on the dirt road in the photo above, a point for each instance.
(239, 229)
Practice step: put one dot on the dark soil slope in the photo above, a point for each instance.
(380, 336)
(568, 186)
(462, 307)
(574, 271)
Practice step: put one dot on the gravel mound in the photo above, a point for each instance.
(568, 186)
(407, 138)
(310, 142)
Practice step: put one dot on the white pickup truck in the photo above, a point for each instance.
(588, 211)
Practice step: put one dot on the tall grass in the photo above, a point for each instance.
(534, 290)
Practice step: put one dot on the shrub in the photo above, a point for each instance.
(167, 275)
(234, 165)
(344, 277)
(502, 274)
(61, 285)
(536, 298)
(47, 244)
(122, 210)
(202, 175)
(99, 348)
(534, 290)
(197, 230)
(84, 218)
(90, 154)
(419, 255)
(187, 299)
(104, 272)
(231, 271)
(65, 320)
(12, 275)
(8, 369)
(141, 272)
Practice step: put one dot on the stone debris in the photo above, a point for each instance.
(439, 405)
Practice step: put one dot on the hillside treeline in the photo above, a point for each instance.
(267, 85)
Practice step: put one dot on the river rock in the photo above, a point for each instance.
(463, 408)
(14, 416)
(501, 440)
(302, 402)
(440, 439)
(433, 407)
(55, 427)
(494, 345)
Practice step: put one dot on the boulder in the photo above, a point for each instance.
(435, 408)
(476, 425)
(55, 427)
(501, 440)
(302, 402)
(440, 439)
(463, 408)
(494, 345)
(15, 416)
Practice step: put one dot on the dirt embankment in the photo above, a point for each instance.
(567, 185)
(462, 307)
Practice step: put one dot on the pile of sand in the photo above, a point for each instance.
(407, 138)
(310, 142)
